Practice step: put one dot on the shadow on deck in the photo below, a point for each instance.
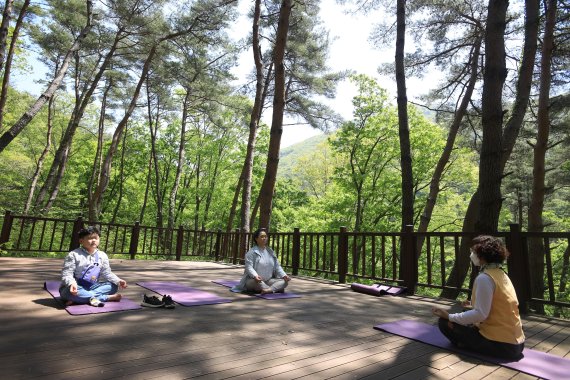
(327, 333)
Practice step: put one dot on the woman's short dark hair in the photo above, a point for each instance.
(257, 232)
(88, 231)
(490, 249)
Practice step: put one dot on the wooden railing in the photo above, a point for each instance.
(341, 256)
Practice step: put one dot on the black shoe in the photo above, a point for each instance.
(168, 302)
(152, 301)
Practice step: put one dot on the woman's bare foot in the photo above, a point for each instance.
(114, 297)
(266, 291)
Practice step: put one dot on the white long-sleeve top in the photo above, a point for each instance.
(485, 287)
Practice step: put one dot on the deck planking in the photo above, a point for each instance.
(326, 334)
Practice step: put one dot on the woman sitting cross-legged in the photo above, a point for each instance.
(493, 325)
(263, 273)
(86, 276)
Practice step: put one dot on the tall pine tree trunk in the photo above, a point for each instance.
(403, 127)
(510, 134)
(121, 179)
(97, 163)
(490, 173)
(253, 125)
(535, 220)
(180, 161)
(268, 185)
(41, 159)
(4, 28)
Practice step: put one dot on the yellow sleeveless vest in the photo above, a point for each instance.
(503, 323)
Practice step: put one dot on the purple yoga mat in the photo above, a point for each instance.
(226, 283)
(269, 296)
(535, 363)
(378, 289)
(124, 304)
(182, 294)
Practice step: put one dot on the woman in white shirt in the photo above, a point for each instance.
(263, 272)
(493, 325)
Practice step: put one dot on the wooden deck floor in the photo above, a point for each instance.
(327, 333)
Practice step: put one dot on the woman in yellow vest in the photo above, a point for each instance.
(492, 326)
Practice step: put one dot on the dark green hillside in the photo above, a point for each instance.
(290, 155)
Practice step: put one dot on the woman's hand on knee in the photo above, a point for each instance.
(440, 313)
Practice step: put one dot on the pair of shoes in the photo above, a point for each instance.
(95, 302)
(151, 301)
(168, 302)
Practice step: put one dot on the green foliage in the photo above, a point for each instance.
(364, 191)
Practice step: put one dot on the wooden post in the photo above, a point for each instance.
(217, 244)
(295, 258)
(179, 242)
(77, 226)
(6, 227)
(518, 266)
(408, 259)
(342, 255)
(134, 244)
(236, 246)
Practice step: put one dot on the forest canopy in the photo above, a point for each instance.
(140, 118)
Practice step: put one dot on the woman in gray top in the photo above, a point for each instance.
(263, 273)
(86, 276)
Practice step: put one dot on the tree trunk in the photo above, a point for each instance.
(106, 170)
(247, 172)
(60, 160)
(490, 173)
(268, 185)
(107, 163)
(212, 183)
(403, 127)
(41, 159)
(11, 134)
(510, 134)
(4, 27)
(146, 190)
(197, 198)
(254, 213)
(95, 177)
(180, 162)
(565, 268)
(9, 57)
(535, 221)
(240, 181)
(153, 129)
(233, 208)
(451, 135)
(121, 179)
